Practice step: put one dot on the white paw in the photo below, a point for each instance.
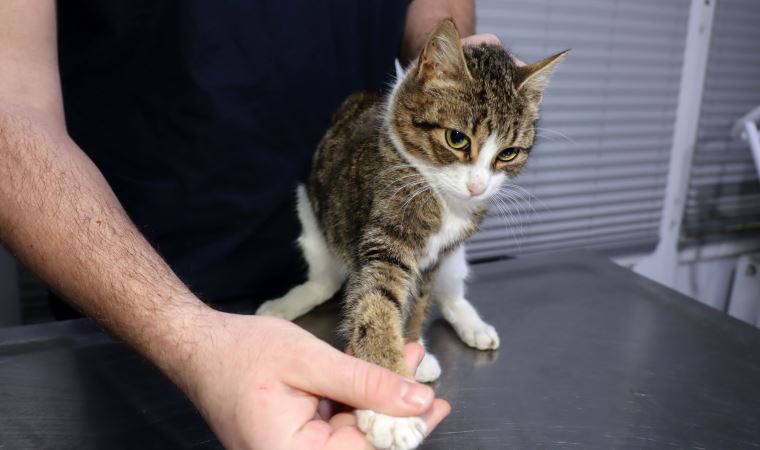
(478, 335)
(391, 433)
(280, 308)
(428, 370)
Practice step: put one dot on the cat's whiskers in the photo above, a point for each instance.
(446, 184)
(540, 132)
(517, 218)
(516, 204)
(503, 211)
(406, 176)
(413, 196)
(413, 184)
(400, 179)
(520, 199)
(529, 196)
(396, 167)
(434, 186)
(545, 138)
(556, 132)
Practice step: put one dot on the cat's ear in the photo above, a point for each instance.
(443, 57)
(533, 78)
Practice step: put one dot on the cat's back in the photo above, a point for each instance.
(353, 132)
(357, 115)
(343, 162)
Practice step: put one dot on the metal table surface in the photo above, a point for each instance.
(592, 357)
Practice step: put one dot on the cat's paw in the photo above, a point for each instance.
(428, 370)
(478, 335)
(280, 308)
(391, 433)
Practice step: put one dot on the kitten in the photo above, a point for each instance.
(397, 184)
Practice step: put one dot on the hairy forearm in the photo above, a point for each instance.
(60, 217)
(423, 15)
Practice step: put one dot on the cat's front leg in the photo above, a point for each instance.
(376, 301)
(448, 290)
(429, 369)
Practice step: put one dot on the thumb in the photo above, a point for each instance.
(343, 378)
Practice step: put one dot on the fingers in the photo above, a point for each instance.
(413, 354)
(317, 434)
(492, 39)
(437, 412)
(483, 38)
(432, 417)
(343, 425)
(325, 409)
(348, 438)
(346, 419)
(440, 408)
(343, 433)
(329, 373)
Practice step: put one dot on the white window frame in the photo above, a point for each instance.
(662, 264)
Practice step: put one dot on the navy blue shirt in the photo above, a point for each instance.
(203, 116)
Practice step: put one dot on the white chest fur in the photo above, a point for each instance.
(453, 226)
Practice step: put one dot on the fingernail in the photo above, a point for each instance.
(417, 395)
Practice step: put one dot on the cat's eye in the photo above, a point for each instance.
(508, 154)
(457, 140)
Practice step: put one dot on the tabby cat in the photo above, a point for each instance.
(397, 184)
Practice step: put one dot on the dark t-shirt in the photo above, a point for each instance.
(203, 116)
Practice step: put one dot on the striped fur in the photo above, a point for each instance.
(373, 184)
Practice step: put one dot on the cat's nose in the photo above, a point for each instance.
(476, 188)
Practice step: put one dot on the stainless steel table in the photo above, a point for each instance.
(592, 357)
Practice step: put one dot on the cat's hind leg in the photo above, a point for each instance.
(325, 275)
(448, 290)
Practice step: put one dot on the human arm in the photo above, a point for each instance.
(423, 15)
(59, 216)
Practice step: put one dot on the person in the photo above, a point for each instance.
(148, 146)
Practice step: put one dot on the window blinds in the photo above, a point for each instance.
(724, 192)
(598, 172)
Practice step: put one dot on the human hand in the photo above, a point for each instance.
(487, 38)
(258, 382)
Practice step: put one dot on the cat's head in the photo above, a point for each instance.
(464, 117)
